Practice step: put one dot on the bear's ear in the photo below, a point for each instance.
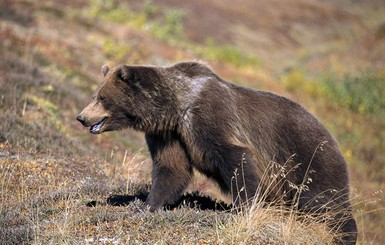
(105, 70)
(128, 75)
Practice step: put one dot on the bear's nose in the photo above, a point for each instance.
(81, 119)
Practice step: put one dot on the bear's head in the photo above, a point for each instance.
(129, 96)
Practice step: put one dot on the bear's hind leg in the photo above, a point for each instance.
(238, 174)
(349, 231)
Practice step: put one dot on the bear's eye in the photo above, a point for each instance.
(101, 97)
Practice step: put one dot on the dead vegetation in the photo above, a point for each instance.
(50, 168)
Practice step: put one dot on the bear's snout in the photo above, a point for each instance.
(82, 120)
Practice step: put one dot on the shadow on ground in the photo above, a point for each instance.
(191, 200)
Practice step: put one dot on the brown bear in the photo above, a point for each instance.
(254, 144)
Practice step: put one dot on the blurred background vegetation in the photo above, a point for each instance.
(327, 55)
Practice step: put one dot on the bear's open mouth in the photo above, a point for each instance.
(95, 129)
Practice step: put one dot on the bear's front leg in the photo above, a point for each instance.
(171, 172)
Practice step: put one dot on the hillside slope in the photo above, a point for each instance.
(51, 54)
(287, 34)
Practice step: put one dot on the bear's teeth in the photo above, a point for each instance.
(96, 128)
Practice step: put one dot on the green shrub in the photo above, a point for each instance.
(170, 27)
(364, 93)
(165, 25)
(111, 10)
(113, 49)
(226, 54)
(296, 80)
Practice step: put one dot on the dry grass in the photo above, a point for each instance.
(44, 201)
(273, 226)
(50, 168)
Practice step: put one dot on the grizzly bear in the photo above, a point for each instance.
(254, 144)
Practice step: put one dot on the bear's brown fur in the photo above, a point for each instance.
(244, 139)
